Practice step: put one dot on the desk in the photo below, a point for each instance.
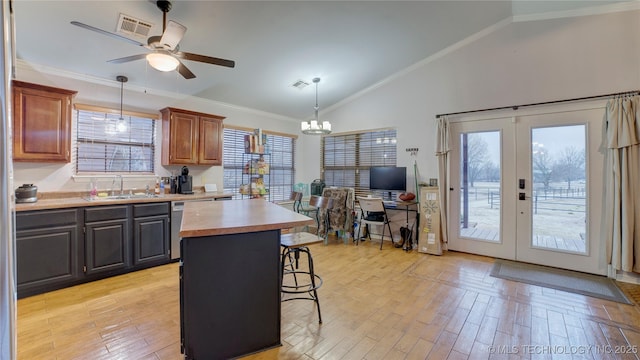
(230, 276)
(398, 213)
(406, 207)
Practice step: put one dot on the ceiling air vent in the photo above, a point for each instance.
(128, 25)
(300, 84)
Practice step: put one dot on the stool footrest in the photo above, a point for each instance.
(301, 288)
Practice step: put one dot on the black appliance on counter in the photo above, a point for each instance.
(184, 182)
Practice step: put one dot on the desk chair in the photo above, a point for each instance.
(373, 213)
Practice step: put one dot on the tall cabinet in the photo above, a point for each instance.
(41, 123)
(191, 138)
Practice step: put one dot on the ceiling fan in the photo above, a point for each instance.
(165, 52)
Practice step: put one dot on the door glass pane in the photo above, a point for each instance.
(480, 185)
(558, 199)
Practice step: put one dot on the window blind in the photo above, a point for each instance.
(281, 173)
(107, 143)
(346, 158)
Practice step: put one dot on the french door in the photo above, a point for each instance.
(529, 188)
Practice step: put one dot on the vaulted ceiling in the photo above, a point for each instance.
(350, 45)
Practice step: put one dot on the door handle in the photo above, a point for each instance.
(523, 196)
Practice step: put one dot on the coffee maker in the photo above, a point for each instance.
(184, 182)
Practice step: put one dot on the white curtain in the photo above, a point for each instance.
(442, 152)
(622, 187)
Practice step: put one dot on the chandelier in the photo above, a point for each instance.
(314, 127)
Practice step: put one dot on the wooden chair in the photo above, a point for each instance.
(373, 213)
(295, 199)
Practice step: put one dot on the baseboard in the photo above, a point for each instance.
(628, 277)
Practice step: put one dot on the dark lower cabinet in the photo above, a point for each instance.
(48, 250)
(65, 247)
(107, 240)
(150, 234)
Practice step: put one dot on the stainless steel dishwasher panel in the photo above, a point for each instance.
(176, 220)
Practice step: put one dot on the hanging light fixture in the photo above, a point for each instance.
(314, 127)
(121, 125)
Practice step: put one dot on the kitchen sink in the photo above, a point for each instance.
(121, 197)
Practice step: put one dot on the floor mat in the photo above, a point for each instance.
(565, 280)
(632, 291)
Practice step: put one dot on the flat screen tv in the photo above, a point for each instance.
(388, 178)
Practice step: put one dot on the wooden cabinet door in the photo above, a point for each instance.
(107, 246)
(48, 250)
(151, 240)
(41, 123)
(46, 257)
(151, 233)
(191, 138)
(184, 139)
(210, 144)
(107, 238)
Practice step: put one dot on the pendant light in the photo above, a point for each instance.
(121, 125)
(314, 127)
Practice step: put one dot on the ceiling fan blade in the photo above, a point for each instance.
(104, 32)
(186, 73)
(205, 59)
(172, 35)
(127, 59)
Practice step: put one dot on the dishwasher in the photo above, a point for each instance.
(176, 220)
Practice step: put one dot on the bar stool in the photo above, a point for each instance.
(310, 282)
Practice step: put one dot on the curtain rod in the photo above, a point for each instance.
(516, 107)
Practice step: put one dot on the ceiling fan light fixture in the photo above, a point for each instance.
(314, 127)
(162, 62)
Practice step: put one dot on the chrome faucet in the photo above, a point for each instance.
(113, 185)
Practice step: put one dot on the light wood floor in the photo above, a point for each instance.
(375, 304)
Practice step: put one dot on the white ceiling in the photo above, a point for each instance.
(350, 45)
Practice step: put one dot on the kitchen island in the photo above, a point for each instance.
(230, 276)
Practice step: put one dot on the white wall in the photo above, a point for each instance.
(59, 177)
(515, 63)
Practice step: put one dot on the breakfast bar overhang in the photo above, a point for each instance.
(230, 276)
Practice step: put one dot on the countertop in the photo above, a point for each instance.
(235, 217)
(59, 201)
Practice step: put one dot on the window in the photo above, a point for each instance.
(281, 173)
(108, 144)
(346, 158)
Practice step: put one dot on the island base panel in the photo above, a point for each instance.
(230, 294)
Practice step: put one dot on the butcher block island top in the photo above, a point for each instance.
(237, 216)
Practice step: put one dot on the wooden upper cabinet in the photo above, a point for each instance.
(41, 123)
(191, 138)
